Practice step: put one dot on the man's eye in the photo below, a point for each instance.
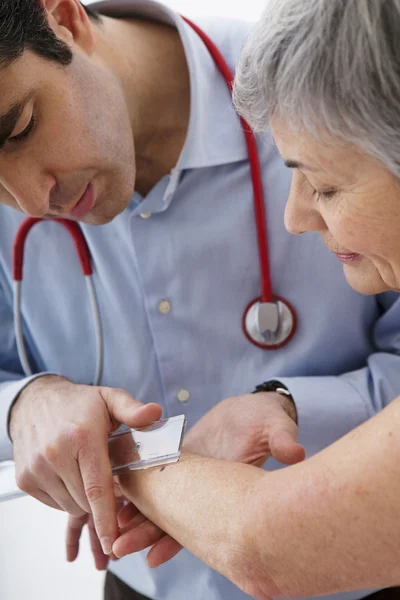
(23, 135)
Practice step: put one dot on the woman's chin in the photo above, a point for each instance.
(365, 280)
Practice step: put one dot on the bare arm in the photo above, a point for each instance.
(326, 525)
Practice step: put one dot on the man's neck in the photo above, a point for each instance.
(150, 61)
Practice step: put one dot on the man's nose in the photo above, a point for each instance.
(301, 214)
(30, 188)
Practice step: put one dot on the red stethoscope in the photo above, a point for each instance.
(268, 322)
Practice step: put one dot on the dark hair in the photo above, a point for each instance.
(23, 25)
(91, 13)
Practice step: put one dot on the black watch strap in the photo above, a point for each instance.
(273, 386)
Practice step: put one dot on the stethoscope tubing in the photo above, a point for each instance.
(254, 162)
(85, 261)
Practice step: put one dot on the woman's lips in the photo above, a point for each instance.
(347, 257)
(85, 204)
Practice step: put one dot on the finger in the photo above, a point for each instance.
(162, 551)
(29, 484)
(284, 446)
(135, 522)
(100, 559)
(74, 531)
(97, 480)
(126, 514)
(117, 490)
(56, 488)
(123, 408)
(72, 479)
(44, 484)
(137, 539)
(44, 498)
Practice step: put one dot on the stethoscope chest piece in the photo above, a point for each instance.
(269, 325)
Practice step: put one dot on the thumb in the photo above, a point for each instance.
(124, 409)
(283, 441)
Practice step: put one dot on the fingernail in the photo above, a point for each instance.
(106, 545)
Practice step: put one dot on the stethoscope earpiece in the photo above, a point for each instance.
(269, 325)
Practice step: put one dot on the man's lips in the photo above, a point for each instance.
(85, 203)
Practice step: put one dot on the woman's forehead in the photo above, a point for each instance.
(299, 149)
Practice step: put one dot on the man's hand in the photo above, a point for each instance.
(247, 429)
(60, 437)
(75, 527)
(74, 532)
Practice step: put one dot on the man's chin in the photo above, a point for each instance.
(105, 211)
(97, 219)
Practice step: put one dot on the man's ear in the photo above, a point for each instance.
(70, 23)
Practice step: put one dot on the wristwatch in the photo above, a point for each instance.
(277, 386)
(274, 386)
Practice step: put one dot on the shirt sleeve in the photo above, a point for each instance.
(331, 406)
(12, 379)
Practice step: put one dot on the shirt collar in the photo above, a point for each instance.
(215, 136)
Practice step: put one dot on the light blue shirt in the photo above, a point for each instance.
(197, 250)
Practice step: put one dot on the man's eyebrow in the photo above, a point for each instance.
(294, 164)
(9, 119)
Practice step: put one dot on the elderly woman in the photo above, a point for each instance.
(326, 75)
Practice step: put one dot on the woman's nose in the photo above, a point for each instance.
(301, 214)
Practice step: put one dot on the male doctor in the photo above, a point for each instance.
(123, 123)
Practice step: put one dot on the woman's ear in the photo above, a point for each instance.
(70, 23)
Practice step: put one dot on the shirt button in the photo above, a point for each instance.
(183, 395)
(164, 307)
(145, 215)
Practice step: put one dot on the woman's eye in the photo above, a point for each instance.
(23, 135)
(324, 194)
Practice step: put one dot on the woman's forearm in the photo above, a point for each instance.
(338, 524)
(326, 525)
(204, 504)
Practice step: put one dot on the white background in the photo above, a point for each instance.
(249, 10)
(32, 563)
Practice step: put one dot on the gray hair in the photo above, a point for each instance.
(328, 66)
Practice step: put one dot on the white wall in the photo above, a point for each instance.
(32, 556)
(242, 9)
(32, 563)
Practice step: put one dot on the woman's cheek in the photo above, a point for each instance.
(349, 231)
